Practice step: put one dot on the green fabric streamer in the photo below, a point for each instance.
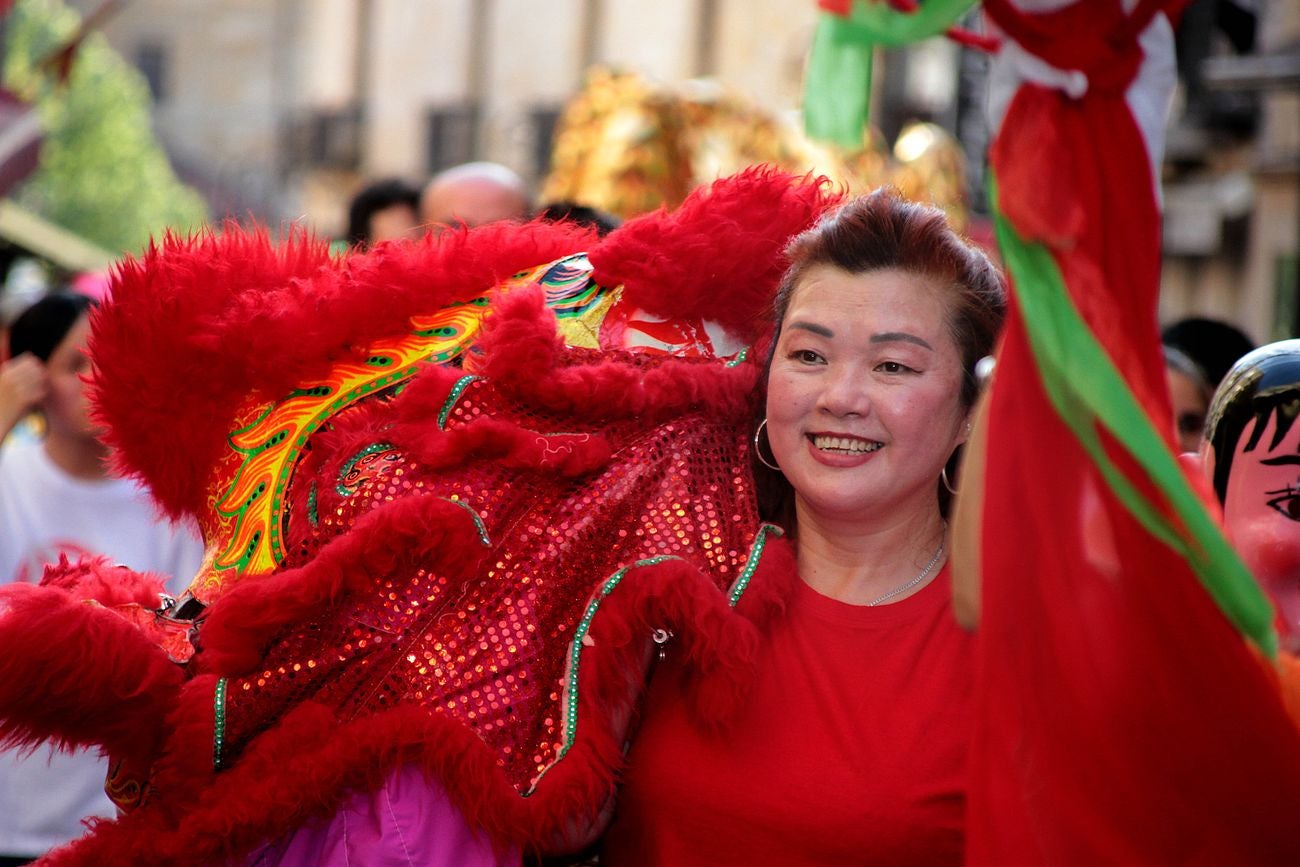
(837, 87)
(1087, 390)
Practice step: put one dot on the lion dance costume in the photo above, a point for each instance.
(449, 491)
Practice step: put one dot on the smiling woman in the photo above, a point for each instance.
(863, 407)
(851, 746)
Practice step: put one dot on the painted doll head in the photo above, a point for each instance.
(1252, 454)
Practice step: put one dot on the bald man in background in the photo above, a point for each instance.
(474, 194)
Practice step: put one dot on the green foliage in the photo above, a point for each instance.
(103, 174)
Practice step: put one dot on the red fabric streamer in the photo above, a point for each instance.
(1122, 719)
(971, 39)
(836, 7)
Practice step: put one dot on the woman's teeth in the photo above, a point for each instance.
(851, 445)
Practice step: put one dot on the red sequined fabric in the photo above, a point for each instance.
(495, 649)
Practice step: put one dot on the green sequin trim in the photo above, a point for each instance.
(219, 723)
(751, 565)
(478, 522)
(569, 707)
(450, 404)
(371, 449)
(312, 517)
(739, 359)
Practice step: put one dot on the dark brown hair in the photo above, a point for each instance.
(42, 327)
(375, 197)
(881, 231)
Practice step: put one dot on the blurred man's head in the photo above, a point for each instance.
(382, 211)
(474, 194)
(1214, 345)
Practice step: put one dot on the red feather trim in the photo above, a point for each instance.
(109, 585)
(523, 359)
(168, 356)
(426, 531)
(720, 256)
(183, 769)
(304, 766)
(773, 582)
(197, 325)
(77, 674)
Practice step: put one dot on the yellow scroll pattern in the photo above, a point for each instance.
(245, 504)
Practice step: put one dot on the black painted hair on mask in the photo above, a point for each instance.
(1262, 384)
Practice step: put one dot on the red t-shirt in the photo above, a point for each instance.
(852, 749)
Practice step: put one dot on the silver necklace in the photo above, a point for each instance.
(918, 579)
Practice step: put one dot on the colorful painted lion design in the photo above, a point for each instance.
(450, 491)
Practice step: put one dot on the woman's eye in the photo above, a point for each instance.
(1288, 505)
(806, 356)
(892, 367)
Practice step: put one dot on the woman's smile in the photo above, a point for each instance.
(863, 405)
(842, 450)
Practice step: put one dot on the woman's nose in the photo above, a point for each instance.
(845, 392)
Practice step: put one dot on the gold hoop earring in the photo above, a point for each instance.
(758, 453)
(943, 477)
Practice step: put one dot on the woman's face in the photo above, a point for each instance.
(863, 404)
(1190, 404)
(66, 406)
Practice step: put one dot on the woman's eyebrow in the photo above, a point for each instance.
(820, 330)
(896, 336)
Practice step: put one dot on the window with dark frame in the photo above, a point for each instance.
(325, 138)
(452, 136)
(151, 60)
(543, 120)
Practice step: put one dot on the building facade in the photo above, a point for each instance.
(279, 109)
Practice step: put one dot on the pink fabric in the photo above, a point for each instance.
(406, 822)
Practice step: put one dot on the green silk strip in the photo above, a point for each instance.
(1086, 389)
(837, 87)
